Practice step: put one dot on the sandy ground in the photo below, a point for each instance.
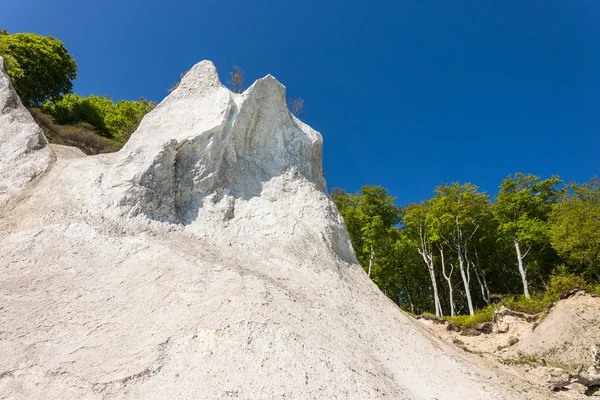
(556, 343)
(97, 310)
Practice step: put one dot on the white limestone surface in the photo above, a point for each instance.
(205, 260)
(24, 151)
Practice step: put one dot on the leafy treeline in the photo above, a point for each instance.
(460, 251)
(41, 71)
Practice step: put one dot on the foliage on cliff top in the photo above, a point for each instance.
(39, 67)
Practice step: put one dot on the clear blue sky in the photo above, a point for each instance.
(407, 94)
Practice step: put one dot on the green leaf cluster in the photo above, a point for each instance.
(456, 211)
(371, 217)
(39, 67)
(522, 207)
(575, 227)
(116, 121)
(561, 281)
(485, 314)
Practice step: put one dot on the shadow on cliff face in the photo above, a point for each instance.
(257, 140)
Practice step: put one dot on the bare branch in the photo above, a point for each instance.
(176, 84)
(296, 106)
(525, 254)
(237, 79)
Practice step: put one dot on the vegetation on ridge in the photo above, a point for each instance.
(39, 67)
(41, 71)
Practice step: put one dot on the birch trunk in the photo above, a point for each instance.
(436, 297)
(371, 261)
(449, 280)
(464, 273)
(521, 267)
(427, 255)
(487, 289)
(481, 280)
(412, 306)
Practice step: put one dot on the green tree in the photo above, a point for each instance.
(39, 67)
(347, 205)
(521, 209)
(370, 217)
(487, 250)
(419, 230)
(575, 227)
(456, 212)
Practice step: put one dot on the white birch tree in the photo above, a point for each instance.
(448, 278)
(521, 209)
(455, 211)
(415, 219)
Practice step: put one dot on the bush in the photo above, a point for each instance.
(81, 135)
(123, 118)
(73, 108)
(115, 121)
(522, 304)
(561, 281)
(470, 321)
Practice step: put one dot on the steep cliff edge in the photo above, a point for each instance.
(24, 151)
(205, 260)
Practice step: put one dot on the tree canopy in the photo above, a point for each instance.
(521, 209)
(458, 251)
(39, 67)
(575, 227)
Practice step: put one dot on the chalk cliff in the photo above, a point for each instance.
(204, 260)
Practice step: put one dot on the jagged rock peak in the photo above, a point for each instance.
(201, 76)
(233, 168)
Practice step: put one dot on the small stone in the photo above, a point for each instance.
(485, 327)
(578, 387)
(470, 332)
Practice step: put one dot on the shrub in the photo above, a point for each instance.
(123, 118)
(470, 321)
(561, 281)
(81, 135)
(520, 303)
(116, 121)
(73, 108)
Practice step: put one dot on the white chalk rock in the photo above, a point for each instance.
(205, 260)
(24, 151)
(230, 168)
